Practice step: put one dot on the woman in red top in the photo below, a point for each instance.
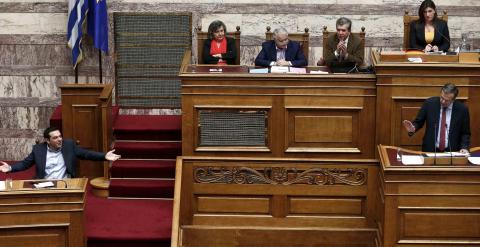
(219, 49)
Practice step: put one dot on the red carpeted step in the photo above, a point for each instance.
(127, 223)
(148, 127)
(148, 149)
(141, 188)
(135, 168)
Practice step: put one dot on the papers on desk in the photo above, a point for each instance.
(295, 70)
(447, 154)
(474, 160)
(318, 72)
(287, 70)
(436, 53)
(279, 69)
(415, 59)
(218, 70)
(259, 71)
(43, 185)
(412, 159)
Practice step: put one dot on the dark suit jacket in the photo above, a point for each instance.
(441, 37)
(70, 152)
(459, 129)
(229, 56)
(268, 54)
(354, 49)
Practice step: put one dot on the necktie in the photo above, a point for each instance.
(441, 145)
(280, 54)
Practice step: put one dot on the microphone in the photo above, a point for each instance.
(435, 144)
(65, 182)
(449, 146)
(443, 36)
(353, 69)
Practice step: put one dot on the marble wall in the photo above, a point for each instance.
(34, 58)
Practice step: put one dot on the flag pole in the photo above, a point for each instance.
(100, 65)
(76, 74)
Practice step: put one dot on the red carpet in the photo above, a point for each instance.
(146, 188)
(149, 145)
(138, 168)
(125, 223)
(148, 127)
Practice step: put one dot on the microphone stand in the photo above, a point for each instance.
(435, 145)
(449, 146)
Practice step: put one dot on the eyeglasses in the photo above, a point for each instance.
(281, 41)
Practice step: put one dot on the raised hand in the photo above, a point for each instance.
(408, 126)
(4, 167)
(112, 156)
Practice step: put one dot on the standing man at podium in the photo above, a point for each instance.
(56, 158)
(448, 122)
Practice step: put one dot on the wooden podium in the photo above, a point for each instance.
(276, 115)
(87, 118)
(428, 205)
(403, 86)
(45, 217)
(274, 202)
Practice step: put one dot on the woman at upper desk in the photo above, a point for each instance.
(429, 33)
(219, 49)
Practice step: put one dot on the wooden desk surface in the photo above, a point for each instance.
(74, 185)
(389, 161)
(241, 71)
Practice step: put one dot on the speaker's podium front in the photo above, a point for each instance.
(433, 204)
(47, 217)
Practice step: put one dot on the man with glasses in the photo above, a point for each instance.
(448, 122)
(343, 49)
(280, 51)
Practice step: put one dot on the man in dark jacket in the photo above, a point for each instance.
(56, 158)
(281, 51)
(448, 122)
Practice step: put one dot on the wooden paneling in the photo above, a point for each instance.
(336, 206)
(323, 129)
(221, 204)
(273, 196)
(308, 115)
(43, 217)
(402, 87)
(87, 118)
(437, 224)
(48, 236)
(333, 129)
(202, 236)
(427, 205)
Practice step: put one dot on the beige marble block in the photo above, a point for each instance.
(15, 148)
(33, 23)
(29, 86)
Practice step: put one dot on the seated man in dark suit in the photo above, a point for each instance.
(448, 122)
(280, 51)
(343, 49)
(56, 158)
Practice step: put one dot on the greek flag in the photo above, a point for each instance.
(97, 19)
(95, 13)
(77, 10)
